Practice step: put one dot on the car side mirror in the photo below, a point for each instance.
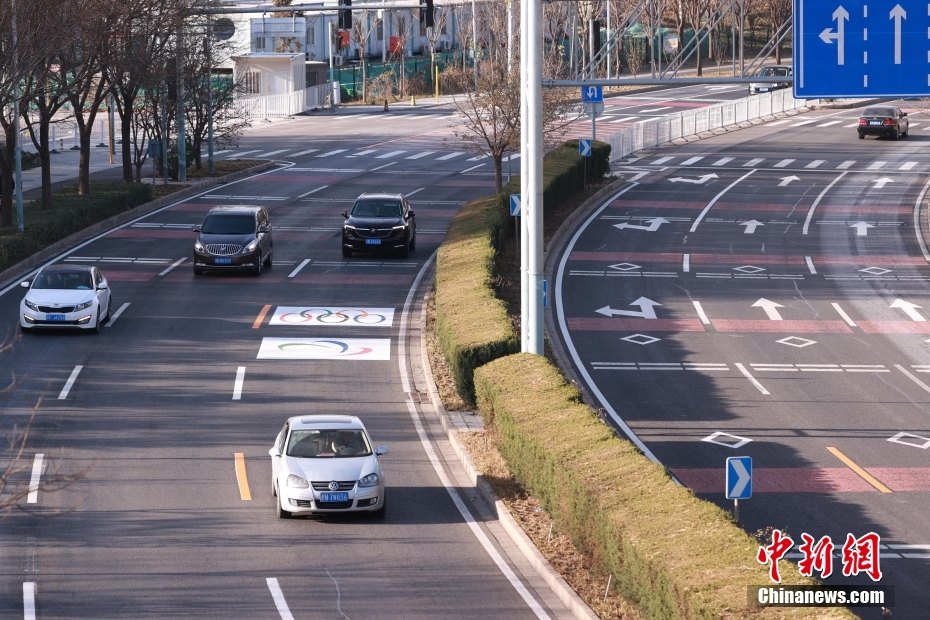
(411, 213)
(345, 213)
(274, 452)
(903, 113)
(264, 229)
(25, 283)
(381, 450)
(196, 228)
(103, 285)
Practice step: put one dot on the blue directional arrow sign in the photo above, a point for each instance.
(584, 148)
(859, 48)
(592, 94)
(515, 205)
(739, 477)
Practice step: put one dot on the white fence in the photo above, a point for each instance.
(660, 130)
(264, 107)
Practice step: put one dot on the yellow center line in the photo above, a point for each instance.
(242, 478)
(861, 472)
(261, 316)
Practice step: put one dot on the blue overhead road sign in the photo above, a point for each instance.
(592, 94)
(739, 477)
(860, 48)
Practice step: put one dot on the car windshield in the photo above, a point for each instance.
(316, 443)
(227, 224)
(774, 71)
(878, 112)
(376, 208)
(74, 280)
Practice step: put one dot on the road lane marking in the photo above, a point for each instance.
(754, 162)
(906, 373)
(859, 471)
(662, 160)
(701, 315)
(117, 314)
(33, 496)
(297, 269)
(270, 153)
(312, 191)
(917, 224)
(472, 168)
(261, 316)
(389, 154)
(815, 164)
(278, 597)
(843, 314)
(419, 155)
(722, 161)
(29, 600)
(245, 494)
(716, 198)
(383, 167)
(237, 386)
(449, 156)
(752, 379)
(170, 267)
(846, 165)
(69, 383)
(810, 212)
(333, 152)
(783, 163)
(810, 265)
(308, 151)
(686, 263)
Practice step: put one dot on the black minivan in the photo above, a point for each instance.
(233, 237)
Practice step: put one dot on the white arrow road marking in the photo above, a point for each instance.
(897, 14)
(786, 180)
(33, 496)
(882, 182)
(862, 228)
(751, 226)
(840, 16)
(742, 477)
(653, 226)
(647, 309)
(909, 308)
(698, 181)
(770, 308)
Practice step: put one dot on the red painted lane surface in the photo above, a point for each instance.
(764, 325)
(894, 327)
(634, 324)
(808, 479)
(888, 260)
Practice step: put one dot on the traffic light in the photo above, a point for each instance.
(345, 16)
(426, 15)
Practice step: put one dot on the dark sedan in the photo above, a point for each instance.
(883, 121)
(379, 223)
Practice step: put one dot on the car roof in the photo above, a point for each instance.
(325, 421)
(380, 195)
(66, 268)
(251, 209)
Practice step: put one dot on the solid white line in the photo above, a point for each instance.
(716, 198)
(846, 318)
(33, 496)
(415, 191)
(450, 487)
(686, 263)
(907, 374)
(69, 383)
(297, 269)
(470, 169)
(313, 191)
(701, 315)
(419, 155)
(170, 267)
(384, 166)
(752, 379)
(278, 597)
(237, 386)
(810, 265)
(810, 212)
(917, 226)
(117, 314)
(29, 600)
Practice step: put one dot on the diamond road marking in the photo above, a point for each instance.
(727, 440)
(640, 339)
(625, 267)
(902, 438)
(875, 271)
(795, 341)
(748, 269)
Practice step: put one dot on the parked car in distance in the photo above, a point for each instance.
(326, 464)
(65, 296)
(771, 71)
(234, 237)
(883, 120)
(379, 223)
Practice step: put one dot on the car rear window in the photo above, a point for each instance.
(878, 112)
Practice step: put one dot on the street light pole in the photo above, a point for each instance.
(17, 141)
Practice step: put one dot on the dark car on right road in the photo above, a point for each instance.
(883, 120)
(379, 223)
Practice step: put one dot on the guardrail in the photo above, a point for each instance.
(690, 122)
(254, 107)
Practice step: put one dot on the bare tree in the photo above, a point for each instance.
(779, 13)
(361, 30)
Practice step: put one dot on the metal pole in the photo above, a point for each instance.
(182, 136)
(165, 141)
(474, 41)
(524, 185)
(742, 22)
(17, 141)
(609, 39)
(534, 202)
(111, 141)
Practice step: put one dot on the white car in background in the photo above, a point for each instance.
(65, 296)
(325, 464)
(771, 71)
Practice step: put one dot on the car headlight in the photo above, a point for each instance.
(371, 480)
(83, 306)
(198, 247)
(296, 482)
(251, 246)
(401, 227)
(31, 305)
(347, 227)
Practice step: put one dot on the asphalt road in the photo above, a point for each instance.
(763, 293)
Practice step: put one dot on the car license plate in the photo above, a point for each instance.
(222, 261)
(875, 122)
(372, 241)
(54, 317)
(334, 497)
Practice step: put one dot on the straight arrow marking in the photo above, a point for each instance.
(770, 308)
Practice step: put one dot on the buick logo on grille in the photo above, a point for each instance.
(373, 230)
(333, 485)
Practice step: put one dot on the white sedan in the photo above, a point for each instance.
(326, 464)
(74, 296)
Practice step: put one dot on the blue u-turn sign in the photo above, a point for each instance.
(859, 48)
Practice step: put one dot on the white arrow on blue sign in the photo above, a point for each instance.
(515, 205)
(739, 477)
(592, 94)
(584, 147)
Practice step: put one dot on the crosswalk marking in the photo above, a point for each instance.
(877, 165)
(419, 155)
(335, 152)
(391, 154)
(781, 122)
(623, 119)
(692, 160)
(450, 156)
(754, 162)
(299, 153)
(816, 163)
(270, 153)
(723, 161)
(360, 153)
(661, 160)
(830, 123)
(845, 165)
(807, 122)
(783, 163)
(240, 154)
(908, 165)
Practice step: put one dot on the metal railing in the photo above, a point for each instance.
(263, 107)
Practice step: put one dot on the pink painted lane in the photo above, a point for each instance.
(780, 480)
(634, 324)
(796, 327)
(894, 327)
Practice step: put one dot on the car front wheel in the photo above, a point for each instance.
(282, 513)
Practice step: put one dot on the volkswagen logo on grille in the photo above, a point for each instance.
(333, 485)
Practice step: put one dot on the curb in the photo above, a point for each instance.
(549, 575)
(196, 187)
